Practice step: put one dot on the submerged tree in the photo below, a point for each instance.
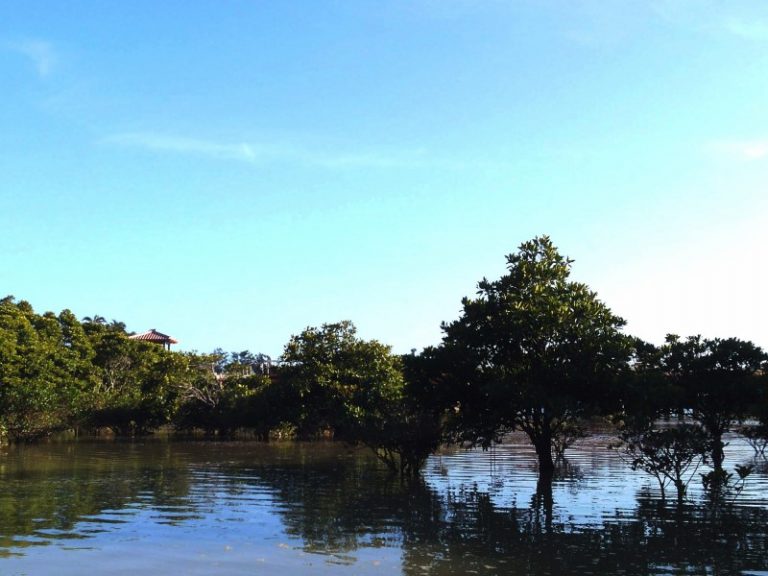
(756, 434)
(671, 455)
(719, 382)
(534, 351)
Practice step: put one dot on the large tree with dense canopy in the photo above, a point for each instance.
(534, 351)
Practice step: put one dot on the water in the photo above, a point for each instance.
(159, 507)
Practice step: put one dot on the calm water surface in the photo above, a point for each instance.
(160, 507)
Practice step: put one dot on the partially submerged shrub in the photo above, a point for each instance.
(671, 455)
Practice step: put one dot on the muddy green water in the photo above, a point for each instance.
(158, 507)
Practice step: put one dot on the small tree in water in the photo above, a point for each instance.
(719, 379)
(671, 455)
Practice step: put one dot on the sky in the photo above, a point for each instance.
(231, 172)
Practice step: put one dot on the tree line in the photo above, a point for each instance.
(532, 351)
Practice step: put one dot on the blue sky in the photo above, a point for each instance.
(232, 172)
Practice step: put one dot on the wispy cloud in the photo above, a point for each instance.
(41, 54)
(745, 19)
(750, 149)
(242, 151)
(751, 30)
(258, 153)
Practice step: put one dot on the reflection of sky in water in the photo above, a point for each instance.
(248, 508)
(594, 482)
(214, 532)
(594, 485)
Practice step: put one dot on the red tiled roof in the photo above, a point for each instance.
(154, 336)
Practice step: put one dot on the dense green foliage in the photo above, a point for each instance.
(339, 383)
(533, 351)
(58, 373)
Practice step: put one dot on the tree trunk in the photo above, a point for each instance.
(680, 487)
(718, 452)
(537, 428)
(543, 445)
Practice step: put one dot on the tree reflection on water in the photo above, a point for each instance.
(72, 491)
(340, 508)
(338, 502)
(483, 539)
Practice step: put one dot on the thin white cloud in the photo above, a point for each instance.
(745, 19)
(242, 151)
(749, 149)
(752, 30)
(40, 53)
(253, 153)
